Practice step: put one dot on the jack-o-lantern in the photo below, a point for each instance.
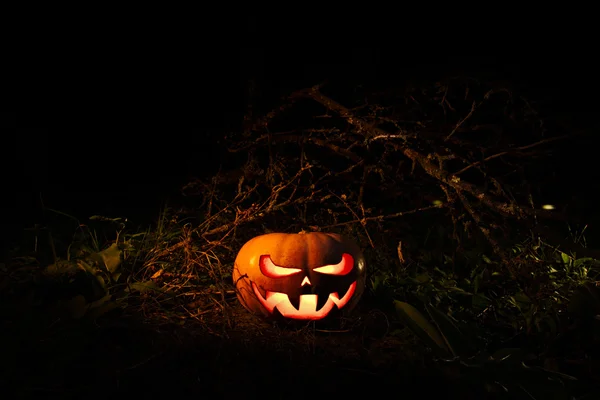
(301, 276)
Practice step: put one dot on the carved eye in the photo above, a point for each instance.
(342, 268)
(273, 271)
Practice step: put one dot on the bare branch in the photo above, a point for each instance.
(513, 151)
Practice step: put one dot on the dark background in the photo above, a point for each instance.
(133, 131)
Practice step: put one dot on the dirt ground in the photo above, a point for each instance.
(121, 355)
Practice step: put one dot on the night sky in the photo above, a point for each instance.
(134, 132)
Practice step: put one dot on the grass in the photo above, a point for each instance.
(472, 290)
(155, 310)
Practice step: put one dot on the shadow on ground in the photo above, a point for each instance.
(121, 356)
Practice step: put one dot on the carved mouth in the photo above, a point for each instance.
(307, 308)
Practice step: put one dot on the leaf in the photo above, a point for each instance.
(101, 218)
(101, 307)
(476, 283)
(480, 302)
(61, 267)
(77, 306)
(455, 341)
(136, 235)
(419, 325)
(100, 302)
(585, 260)
(458, 290)
(522, 298)
(101, 282)
(143, 286)
(111, 257)
(84, 266)
(160, 272)
(585, 302)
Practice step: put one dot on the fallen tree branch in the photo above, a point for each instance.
(435, 172)
(512, 151)
(381, 217)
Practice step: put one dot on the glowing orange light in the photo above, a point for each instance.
(342, 268)
(302, 275)
(274, 271)
(307, 310)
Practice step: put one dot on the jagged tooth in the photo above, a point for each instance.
(277, 313)
(335, 297)
(308, 303)
(295, 301)
(321, 301)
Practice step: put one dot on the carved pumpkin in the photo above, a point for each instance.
(301, 276)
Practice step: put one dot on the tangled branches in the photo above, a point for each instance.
(458, 150)
(387, 167)
(382, 166)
